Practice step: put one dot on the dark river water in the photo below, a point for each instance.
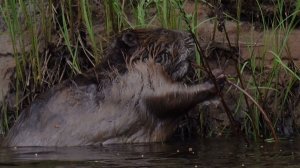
(200, 153)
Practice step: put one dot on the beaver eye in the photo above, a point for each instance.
(158, 59)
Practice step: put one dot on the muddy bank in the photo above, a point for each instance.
(258, 12)
(259, 53)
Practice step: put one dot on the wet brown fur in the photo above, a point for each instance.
(135, 95)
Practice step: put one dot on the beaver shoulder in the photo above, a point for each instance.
(136, 95)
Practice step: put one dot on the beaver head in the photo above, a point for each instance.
(173, 49)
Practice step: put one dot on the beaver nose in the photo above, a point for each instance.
(190, 43)
(190, 34)
(189, 39)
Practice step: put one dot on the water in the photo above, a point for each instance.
(200, 153)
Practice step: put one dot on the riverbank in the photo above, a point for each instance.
(263, 61)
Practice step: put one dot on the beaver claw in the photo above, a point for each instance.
(220, 77)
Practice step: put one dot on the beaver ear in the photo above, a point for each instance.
(130, 39)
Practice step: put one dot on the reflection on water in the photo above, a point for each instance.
(202, 153)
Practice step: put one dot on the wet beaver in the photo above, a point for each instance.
(135, 95)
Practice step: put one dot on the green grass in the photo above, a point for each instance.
(275, 41)
(74, 26)
(72, 46)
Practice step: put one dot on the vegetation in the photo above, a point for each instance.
(64, 40)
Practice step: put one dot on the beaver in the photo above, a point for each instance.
(135, 95)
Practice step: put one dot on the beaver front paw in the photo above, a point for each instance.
(220, 77)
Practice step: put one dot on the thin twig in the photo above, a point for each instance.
(208, 70)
